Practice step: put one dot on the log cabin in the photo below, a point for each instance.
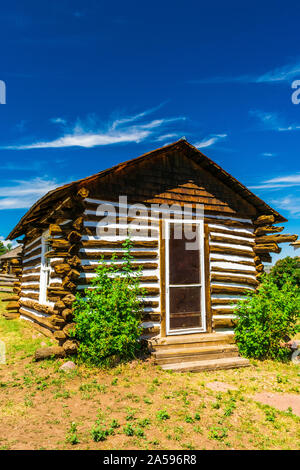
(188, 318)
(10, 259)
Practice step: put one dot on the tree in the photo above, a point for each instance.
(286, 269)
(267, 318)
(2, 248)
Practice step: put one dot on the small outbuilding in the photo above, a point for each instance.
(200, 236)
(10, 259)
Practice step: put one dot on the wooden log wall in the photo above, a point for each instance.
(145, 252)
(236, 259)
(29, 289)
(232, 268)
(55, 317)
(7, 283)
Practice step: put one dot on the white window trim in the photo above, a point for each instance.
(45, 271)
(201, 285)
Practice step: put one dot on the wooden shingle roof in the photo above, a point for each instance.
(189, 150)
(14, 253)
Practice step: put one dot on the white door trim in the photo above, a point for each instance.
(44, 272)
(202, 277)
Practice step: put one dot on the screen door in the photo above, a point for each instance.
(185, 293)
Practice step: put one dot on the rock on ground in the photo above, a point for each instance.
(69, 365)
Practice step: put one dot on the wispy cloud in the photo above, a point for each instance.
(163, 137)
(273, 121)
(281, 74)
(23, 194)
(268, 154)
(209, 141)
(289, 203)
(90, 133)
(279, 182)
(58, 120)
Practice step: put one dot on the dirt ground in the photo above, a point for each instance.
(140, 406)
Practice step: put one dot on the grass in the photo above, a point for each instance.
(137, 405)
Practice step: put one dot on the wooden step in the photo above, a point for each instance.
(192, 340)
(213, 364)
(171, 356)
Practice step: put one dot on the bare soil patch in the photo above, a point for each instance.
(220, 386)
(281, 401)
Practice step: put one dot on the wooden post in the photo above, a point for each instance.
(207, 279)
(162, 264)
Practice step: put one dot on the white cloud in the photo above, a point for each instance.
(23, 194)
(58, 120)
(295, 179)
(273, 121)
(290, 204)
(166, 136)
(208, 142)
(278, 75)
(279, 182)
(268, 154)
(8, 242)
(121, 130)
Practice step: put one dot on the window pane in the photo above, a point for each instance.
(184, 264)
(185, 307)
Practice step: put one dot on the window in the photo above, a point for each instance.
(45, 269)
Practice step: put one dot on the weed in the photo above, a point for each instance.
(189, 419)
(71, 436)
(270, 415)
(148, 401)
(162, 415)
(114, 424)
(218, 433)
(144, 422)
(100, 433)
(128, 430)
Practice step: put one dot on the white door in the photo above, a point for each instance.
(185, 278)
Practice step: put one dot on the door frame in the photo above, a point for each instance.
(166, 226)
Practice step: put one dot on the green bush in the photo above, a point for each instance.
(267, 318)
(108, 317)
(286, 269)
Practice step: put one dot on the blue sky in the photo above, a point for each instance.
(90, 84)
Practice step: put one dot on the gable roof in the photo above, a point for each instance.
(14, 253)
(190, 151)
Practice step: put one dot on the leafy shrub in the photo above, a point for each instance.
(286, 269)
(107, 318)
(267, 318)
